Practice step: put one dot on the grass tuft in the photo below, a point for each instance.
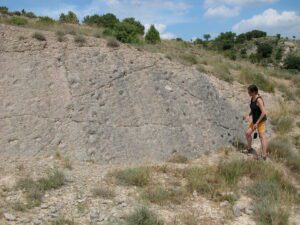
(35, 190)
(163, 196)
(39, 36)
(113, 43)
(133, 176)
(104, 192)
(143, 216)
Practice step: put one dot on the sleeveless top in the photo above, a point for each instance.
(255, 111)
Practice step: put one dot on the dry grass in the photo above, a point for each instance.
(39, 36)
(162, 196)
(143, 216)
(178, 158)
(104, 192)
(133, 176)
(35, 190)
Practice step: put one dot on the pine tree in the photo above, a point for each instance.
(152, 36)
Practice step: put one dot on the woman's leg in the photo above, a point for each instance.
(248, 135)
(263, 141)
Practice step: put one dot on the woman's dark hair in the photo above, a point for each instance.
(253, 88)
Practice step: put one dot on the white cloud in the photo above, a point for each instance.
(210, 3)
(229, 8)
(162, 31)
(222, 11)
(287, 23)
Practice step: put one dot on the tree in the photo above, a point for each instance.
(71, 17)
(109, 20)
(255, 34)
(206, 37)
(198, 41)
(92, 20)
(292, 62)
(139, 27)
(225, 41)
(241, 38)
(3, 10)
(125, 32)
(152, 35)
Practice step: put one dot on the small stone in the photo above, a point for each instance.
(195, 194)
(44, 206)
(9, 217)
(236, 211)
(248, 211)
(168, 88)
(224, 204)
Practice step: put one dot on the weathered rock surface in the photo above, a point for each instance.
(106, 104)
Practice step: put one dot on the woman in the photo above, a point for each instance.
(259, 117)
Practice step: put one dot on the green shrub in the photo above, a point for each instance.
(231, 55)
(278, 55)
(243, 53)
(104, 192)
(71, 17)
(292, 62)
(124, 32)
(162, 196)
(19, 21)
(143, 216)
(152, 36)
(249, 76)
(264, 50)
(39, 36)
(108, 20)
(133, 176)
(232, 171)
(137, 24)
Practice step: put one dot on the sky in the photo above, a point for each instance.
(187, 19)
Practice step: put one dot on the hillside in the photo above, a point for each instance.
(95, 131)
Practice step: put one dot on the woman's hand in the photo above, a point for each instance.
(255, 126)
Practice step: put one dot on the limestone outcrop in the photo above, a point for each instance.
(102, 103)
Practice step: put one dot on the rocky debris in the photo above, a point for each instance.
(103, 104)
(236, 211)
(9, 217)
(244, 204)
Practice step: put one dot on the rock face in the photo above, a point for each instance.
(107, 104)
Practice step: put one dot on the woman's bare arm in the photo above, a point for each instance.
(262, 107)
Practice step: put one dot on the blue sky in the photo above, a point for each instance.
(183, 18)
